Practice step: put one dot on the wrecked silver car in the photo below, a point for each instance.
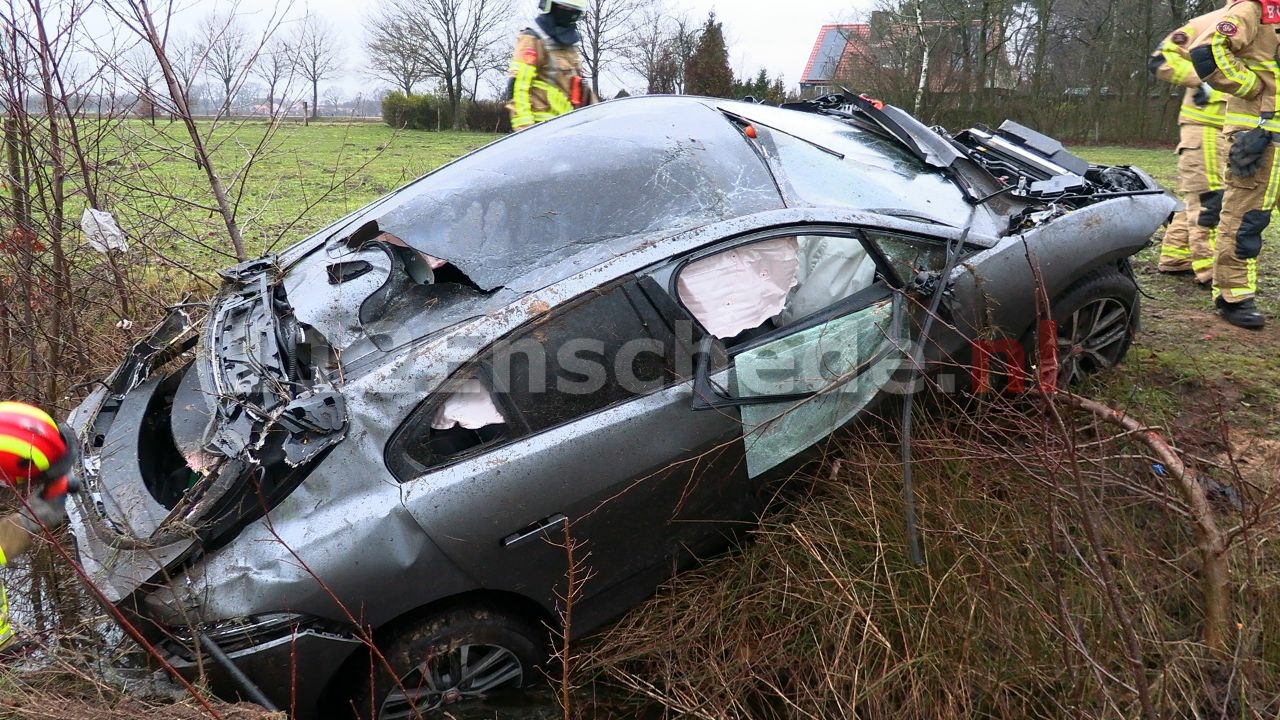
(608, 332)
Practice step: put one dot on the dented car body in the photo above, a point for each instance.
(614, 329)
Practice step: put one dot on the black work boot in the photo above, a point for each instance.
(1242, 314)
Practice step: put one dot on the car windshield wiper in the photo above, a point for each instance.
(927, 146)
(746, 121)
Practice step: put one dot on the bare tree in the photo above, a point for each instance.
(922, 81)
(228, 53)
(659, 46)
(317, 53)
(275, 69)
(674, 56)
(333, 100)
(187, 57)
(393, 56)
(139, 19)
(607, 30)
(140, 71)
(452, 38)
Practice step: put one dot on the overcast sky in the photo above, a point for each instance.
(774, 34)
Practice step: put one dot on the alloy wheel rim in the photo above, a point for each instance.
(463, 672)
(1092, 339)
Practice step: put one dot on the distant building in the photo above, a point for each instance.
(884, 50)
(835, 43)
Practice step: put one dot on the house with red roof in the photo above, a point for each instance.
(835, 43)
(859, 54)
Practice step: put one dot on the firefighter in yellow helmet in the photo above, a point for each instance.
(1237, 55)
(1189, 241)
(545, 79)
(35, 456)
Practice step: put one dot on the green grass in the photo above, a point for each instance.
(285, 184)
(1188, 368)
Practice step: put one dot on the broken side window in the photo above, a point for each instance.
(909, 256)
(469, 406)
(466, 418)
(607, 347)
(749, 290)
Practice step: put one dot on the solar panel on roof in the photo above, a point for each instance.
(830, 50)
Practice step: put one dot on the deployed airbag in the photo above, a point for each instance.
(470, 406)
(740, 288)
(831, 269)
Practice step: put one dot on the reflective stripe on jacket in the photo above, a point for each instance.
(1172, 63)
(1237, 55)
(6, 630)
(542, 76)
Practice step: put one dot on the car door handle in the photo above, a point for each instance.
(533, 530)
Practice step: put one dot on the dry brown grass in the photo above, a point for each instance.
(66, 694)
(822, 616)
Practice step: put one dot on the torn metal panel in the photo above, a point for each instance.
(166, 340)
(495, 217)
(1064, 250)
(315, 422)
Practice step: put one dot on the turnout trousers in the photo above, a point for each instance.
(1246, 212)
(1190, 241)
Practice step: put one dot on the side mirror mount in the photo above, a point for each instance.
(707, 395)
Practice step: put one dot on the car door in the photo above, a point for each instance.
(581, 430)
(813, 326)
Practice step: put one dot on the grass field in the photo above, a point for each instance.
(300, 179)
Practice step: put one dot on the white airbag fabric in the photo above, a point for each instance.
(470, 406)
(831, 269)
(741, 288)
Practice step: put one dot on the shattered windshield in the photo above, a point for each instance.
(559, 189)
(824, 162)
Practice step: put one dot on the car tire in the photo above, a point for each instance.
(1096, 318)
(448, 658)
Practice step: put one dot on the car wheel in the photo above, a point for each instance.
(1096, 318)
(450, 658)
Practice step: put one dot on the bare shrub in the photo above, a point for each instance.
(822, 616)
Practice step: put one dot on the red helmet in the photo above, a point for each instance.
(31, 445)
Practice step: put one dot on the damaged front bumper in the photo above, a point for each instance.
(290, 657)
(206, 426)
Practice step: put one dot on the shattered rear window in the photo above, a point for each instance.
(558, 189)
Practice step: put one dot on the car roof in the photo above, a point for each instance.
(605, 173)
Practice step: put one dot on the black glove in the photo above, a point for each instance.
(1201, 96)
(52, 513)
(1248, 149)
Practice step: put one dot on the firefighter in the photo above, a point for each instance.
(35, 456)
(545, 79)
(1189, 241)
(1237, 55)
